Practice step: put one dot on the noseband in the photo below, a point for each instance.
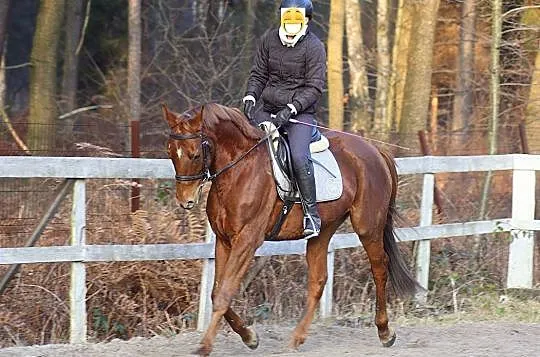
(205, 147)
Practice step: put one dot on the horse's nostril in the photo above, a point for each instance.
(187, 205)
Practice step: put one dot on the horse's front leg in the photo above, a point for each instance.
(241, 253)
(249, 337)
(317, 249)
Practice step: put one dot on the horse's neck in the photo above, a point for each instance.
(229, 144)
(244, 182)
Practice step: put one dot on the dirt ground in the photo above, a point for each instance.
(459, 340)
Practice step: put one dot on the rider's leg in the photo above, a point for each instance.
(299, 140)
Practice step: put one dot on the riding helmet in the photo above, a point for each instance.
(306, 4)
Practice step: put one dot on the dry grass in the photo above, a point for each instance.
(123, 299)
(482, 307)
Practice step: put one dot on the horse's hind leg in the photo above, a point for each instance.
(317, 249)
(373, 244)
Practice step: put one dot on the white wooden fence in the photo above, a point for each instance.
(521, 224)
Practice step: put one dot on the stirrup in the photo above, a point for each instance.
(313, 232)
(312, 235)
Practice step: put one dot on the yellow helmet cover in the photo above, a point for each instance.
(293, 25)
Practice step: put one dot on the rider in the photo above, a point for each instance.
(288, 74)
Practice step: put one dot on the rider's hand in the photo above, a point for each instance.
(249, 106)
(284, 115)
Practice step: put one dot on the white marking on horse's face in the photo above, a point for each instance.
(179, 153)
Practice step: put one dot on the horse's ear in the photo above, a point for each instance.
(168, 116)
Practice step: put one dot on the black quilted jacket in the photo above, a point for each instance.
(281, 75)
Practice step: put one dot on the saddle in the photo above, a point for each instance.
(328, 180)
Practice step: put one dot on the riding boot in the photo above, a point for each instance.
(305, 180)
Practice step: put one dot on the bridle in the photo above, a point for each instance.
(205, 148)
(205, 175)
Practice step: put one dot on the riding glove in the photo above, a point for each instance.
(283, 116)
(249, 106)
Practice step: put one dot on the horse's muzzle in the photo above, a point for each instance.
(188, 205)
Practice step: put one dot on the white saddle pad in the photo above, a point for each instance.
(328, 180)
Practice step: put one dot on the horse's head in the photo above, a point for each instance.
(189, 151)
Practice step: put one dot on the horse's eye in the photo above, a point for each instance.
(196, 156)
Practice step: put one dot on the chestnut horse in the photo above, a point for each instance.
(217, 143)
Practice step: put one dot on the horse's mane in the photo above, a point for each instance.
(214, 113)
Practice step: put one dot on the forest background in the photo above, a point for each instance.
(87, 77)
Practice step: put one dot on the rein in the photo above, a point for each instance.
(351, 134)
(205, 174)
(228, 166)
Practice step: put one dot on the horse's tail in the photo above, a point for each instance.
(401, 279)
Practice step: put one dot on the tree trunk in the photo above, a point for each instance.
(399, 63)
(43, 112)
(74, 20)
(214, 16)
(380, 127)
(18, 50)
(200, 11)
(418, 82)
(494, 94)
(359, 90)
(249, 22)
(495, 70)
(531, 19)
(249, 26)
(2, 86)
(134, 87)
(335, 64)
(134, 60)
(463, 99)
(532, 116)
(4, 11)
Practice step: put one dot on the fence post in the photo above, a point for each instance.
(325, 306)
(77, 293)
(207, 283)
(520, 259)
(423, 252)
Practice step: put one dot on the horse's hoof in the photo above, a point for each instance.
(203, 351)
(252, 341)
(296, 342)
(387, 342)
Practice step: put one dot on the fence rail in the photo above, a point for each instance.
(93, 168)
(521, 224)
(192, 251)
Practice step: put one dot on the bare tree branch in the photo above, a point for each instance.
(84, 109)
(20, 143)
